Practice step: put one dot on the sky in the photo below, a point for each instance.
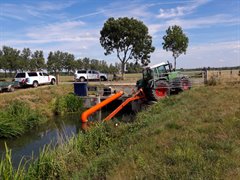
(212, 26)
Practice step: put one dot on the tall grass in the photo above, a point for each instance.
(17, 118)
(194, 135)
(67, 104)
(45, 167)
(7, 172)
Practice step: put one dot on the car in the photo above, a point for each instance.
(8, 86)
(84, 75)
(34, 78)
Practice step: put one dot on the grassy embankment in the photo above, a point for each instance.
(27, 108)
(194, 135)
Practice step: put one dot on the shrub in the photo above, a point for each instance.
(213, 81)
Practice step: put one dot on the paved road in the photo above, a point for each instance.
(106, 83)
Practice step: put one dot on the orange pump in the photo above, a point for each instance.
(98, 106)
(138, 95)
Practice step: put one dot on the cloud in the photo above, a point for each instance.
(215, 54)
(89, 14)
(180, 10)
(132, 9)
(203, 22)
(222, 19)
(24, 11)
(72, 36)
(54, 6)
(56, 31)
(169, 13)
(11, 11)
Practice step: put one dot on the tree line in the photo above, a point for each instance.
(14, 60)
(127, 37)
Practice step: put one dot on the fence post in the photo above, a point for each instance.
(205, 76)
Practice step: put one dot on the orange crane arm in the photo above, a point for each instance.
(138, 95)
(98, 106)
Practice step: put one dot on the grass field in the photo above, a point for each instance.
(225, 76)
(193, 135)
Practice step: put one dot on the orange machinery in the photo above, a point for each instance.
(138, 95)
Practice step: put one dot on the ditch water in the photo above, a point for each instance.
(53, 132)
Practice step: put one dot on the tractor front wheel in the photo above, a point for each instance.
(161, 90)
(185, 84)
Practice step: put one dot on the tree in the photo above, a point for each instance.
(129, 38)
(68, 62)
(78, 64)
(134, 68)
(103, 66)
(176, 41)
(55, 61)
(25, 59)
(11, 59)
(86, 63)
(94, 64)
(112, 69)
(37, 61)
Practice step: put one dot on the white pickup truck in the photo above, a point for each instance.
(83, 75)
(34, 78)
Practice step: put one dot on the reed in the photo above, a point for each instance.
(17, 118)
(7, 172)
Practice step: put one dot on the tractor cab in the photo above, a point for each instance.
(157, 71)
(161, 71)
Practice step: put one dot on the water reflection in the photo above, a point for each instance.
(53, 132)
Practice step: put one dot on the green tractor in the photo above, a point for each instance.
(161, 80)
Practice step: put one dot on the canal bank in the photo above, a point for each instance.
(55, 132)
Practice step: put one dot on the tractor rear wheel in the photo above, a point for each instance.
(160, 91)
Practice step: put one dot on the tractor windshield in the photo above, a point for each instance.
(159, 71)
(147, 73)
